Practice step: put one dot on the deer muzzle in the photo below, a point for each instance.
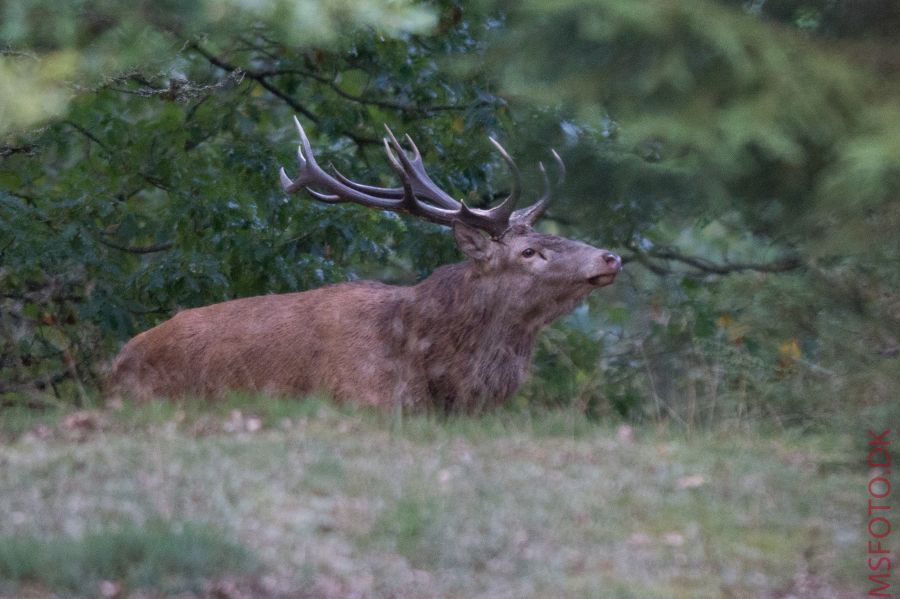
(610, 266)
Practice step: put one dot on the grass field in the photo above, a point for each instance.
(261, 498)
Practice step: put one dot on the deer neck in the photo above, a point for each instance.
(468, 338)
(459, 300)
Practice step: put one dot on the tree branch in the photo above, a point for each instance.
(87, 134)
(781, 265)
(6, 150)
(147, 249)
(261, 79)
(39, 297)
(225, 66)
(408, 108)
(643, 261)
(151, 179)
(703, 267)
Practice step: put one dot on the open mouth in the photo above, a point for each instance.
(602, 280)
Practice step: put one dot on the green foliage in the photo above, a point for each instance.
(51, 47)
(160, 557)
(754, 142)
(747, 171)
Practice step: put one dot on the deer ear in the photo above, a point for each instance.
(471, 241)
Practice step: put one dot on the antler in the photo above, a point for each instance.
(528, 216)
(440, 207)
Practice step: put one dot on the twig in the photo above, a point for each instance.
(10, 150)
(408, 108)
(261, 79)
(87, 134)
(704, 267)
(782, 265)
(147, 249)
(151, 179)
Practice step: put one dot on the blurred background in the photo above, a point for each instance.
(741, 155)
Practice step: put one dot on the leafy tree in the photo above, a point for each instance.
(740, 155)
(769, 149)
(158, 187)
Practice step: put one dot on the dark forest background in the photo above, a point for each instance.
(743, 156)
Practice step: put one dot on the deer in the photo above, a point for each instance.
(461, 340)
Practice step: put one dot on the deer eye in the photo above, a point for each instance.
(528, 253)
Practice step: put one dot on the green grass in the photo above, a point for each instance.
(334, 501)
(162, 556)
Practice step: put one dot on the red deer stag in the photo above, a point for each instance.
(460, 340)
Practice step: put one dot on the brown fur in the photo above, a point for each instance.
(462, 339)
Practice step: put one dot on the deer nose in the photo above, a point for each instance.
(612, 260)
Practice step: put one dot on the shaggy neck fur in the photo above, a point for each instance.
(474, 332)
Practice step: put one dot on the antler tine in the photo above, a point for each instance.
(287, 184)
(324, 197)
(392, 158)
(385, 192)
(409, 198)
(412, 144)
(421, 183)
(505, 209)
(440, 208)
(397, 192)
(530, 215)
(495, 221)
(391, 142)
(402, 167)
(409, 177)
(311, 174)
(562, 168)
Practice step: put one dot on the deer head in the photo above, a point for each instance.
(519, 257)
